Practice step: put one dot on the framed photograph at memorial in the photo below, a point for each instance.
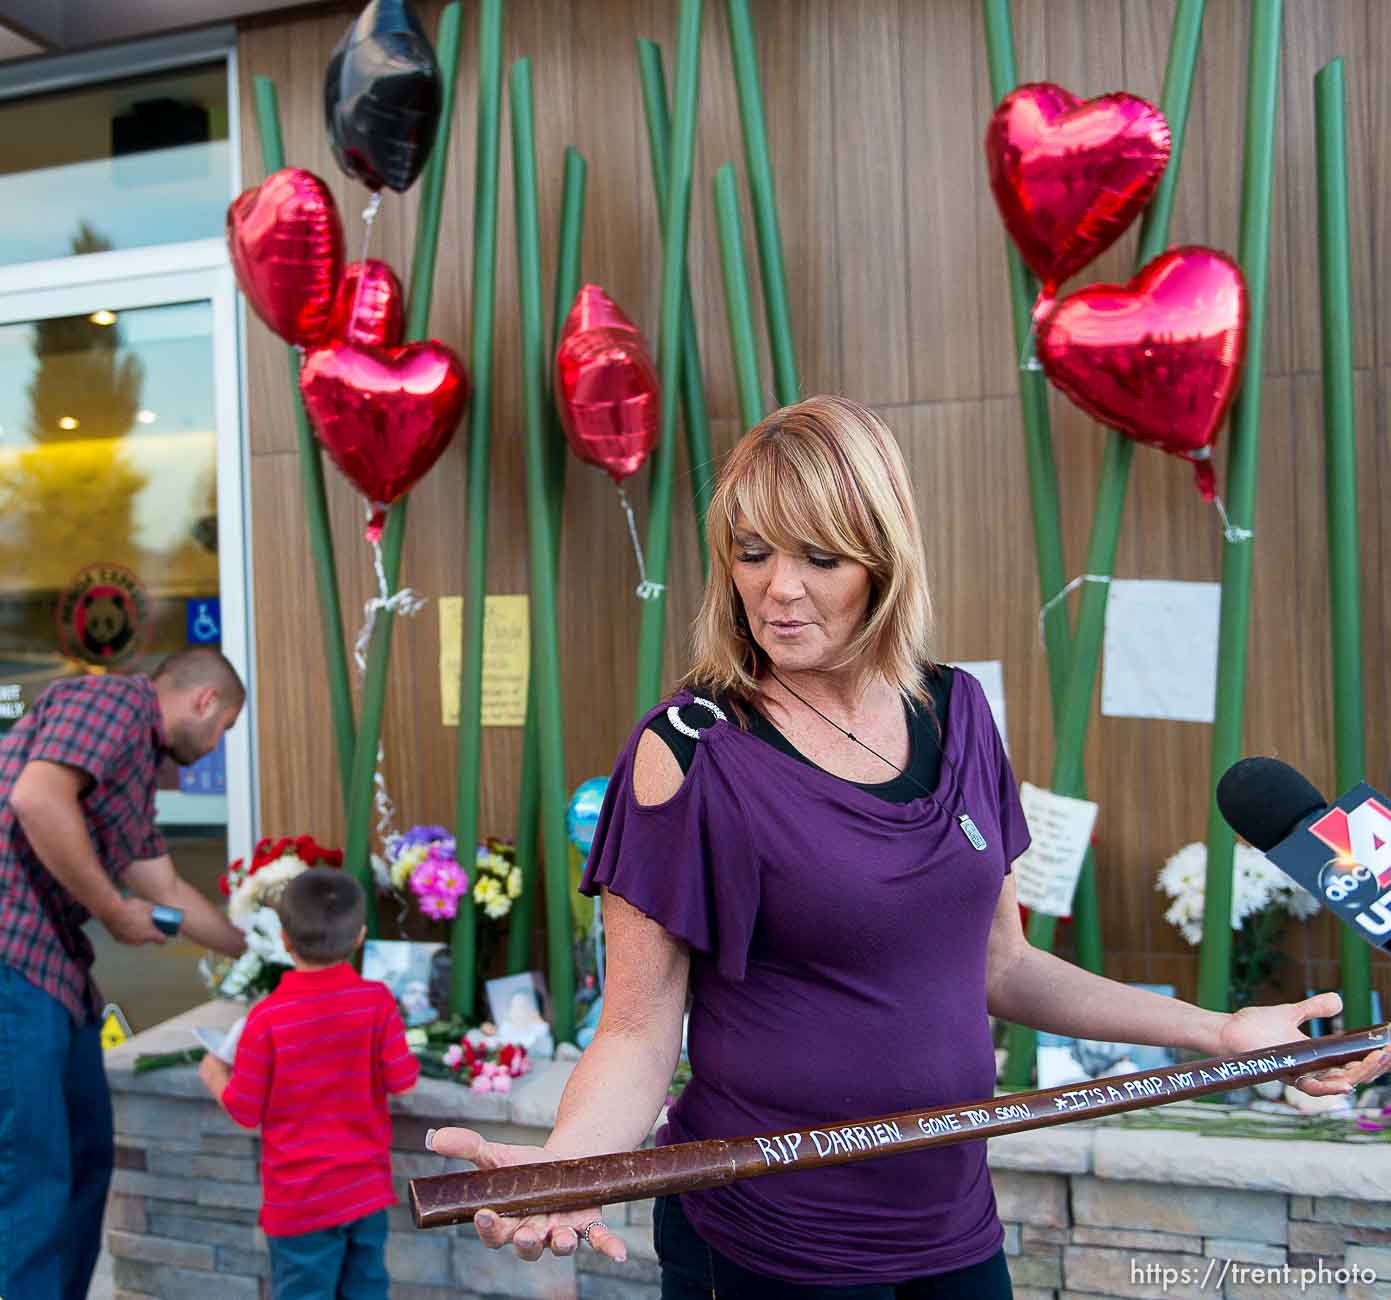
(519, 1006)
(405, 969)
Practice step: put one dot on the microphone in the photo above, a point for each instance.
(1264, 800)
(1340, 853)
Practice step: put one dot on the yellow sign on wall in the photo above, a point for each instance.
(506, 659)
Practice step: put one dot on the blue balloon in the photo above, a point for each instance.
(582, 816)
(584, 1034)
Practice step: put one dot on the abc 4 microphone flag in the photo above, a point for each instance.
(1343, 858)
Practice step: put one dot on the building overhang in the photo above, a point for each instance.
(32, 28)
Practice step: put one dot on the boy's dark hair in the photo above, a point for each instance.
(321, 912)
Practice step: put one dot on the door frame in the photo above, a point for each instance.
(193, 272)
(155, 275)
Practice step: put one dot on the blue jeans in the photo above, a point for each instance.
(56, 1148)
(692, 1271)
(345, 1262)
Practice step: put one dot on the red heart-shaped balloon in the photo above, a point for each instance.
(368, 310)
(606, 385)
(1069, 176)
(1158, 359)
(384, 414)
(286, 244)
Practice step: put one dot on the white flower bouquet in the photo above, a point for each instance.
(252, 893)
(1263, 898)
(1256, 885)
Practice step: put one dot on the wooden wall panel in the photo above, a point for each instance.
(1316, 34)
(876, 112)
(1375, 549)
(294, 730)
(795, 40)
(944, 306)
(718, 141)
(1374, 91)
(867, 154)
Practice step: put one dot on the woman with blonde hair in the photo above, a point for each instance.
(812, 841)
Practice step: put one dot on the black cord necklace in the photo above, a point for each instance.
(968, 827)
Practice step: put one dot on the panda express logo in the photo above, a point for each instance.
(103, 616)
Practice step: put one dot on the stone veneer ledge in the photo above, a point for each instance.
(1084, 1205)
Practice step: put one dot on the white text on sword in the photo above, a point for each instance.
(782, 1150)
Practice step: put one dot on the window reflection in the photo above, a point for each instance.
(148, 158)
(108, 490)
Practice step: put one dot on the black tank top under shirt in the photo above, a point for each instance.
(926, 735)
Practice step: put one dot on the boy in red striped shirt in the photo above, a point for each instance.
(313, 1068)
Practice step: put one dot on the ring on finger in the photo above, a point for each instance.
(583, 1233)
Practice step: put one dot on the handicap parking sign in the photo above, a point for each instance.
(204, 615)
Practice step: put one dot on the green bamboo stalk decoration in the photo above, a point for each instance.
(1033, 392)
(677, 225)
(545, 634)
(528, 834)
(567, 283)
(1043, 502)
(697, 419)
(1070, 723)
(1340, 456)
(1262, 98)
(765, 208)
(463, 935)
(311, 467)
(566, 290)
(736, 298)
(355, 854)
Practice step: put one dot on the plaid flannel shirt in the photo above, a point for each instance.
(109, 728)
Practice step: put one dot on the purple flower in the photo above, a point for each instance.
(438, 835)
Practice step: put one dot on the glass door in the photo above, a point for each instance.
(122, 510)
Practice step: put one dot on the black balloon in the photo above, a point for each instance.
(382, 96)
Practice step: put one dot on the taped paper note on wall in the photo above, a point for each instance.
(1161, 650)
(506, 659)
(451, 610)
(1045, 874)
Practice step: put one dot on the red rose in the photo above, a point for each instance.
(332, 857)
(282, 846)
(224, 886)
(306, 849)
(263, 846)
(512, 1057)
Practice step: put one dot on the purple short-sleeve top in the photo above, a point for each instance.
(838, 948)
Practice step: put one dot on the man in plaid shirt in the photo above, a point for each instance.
(77, 809)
